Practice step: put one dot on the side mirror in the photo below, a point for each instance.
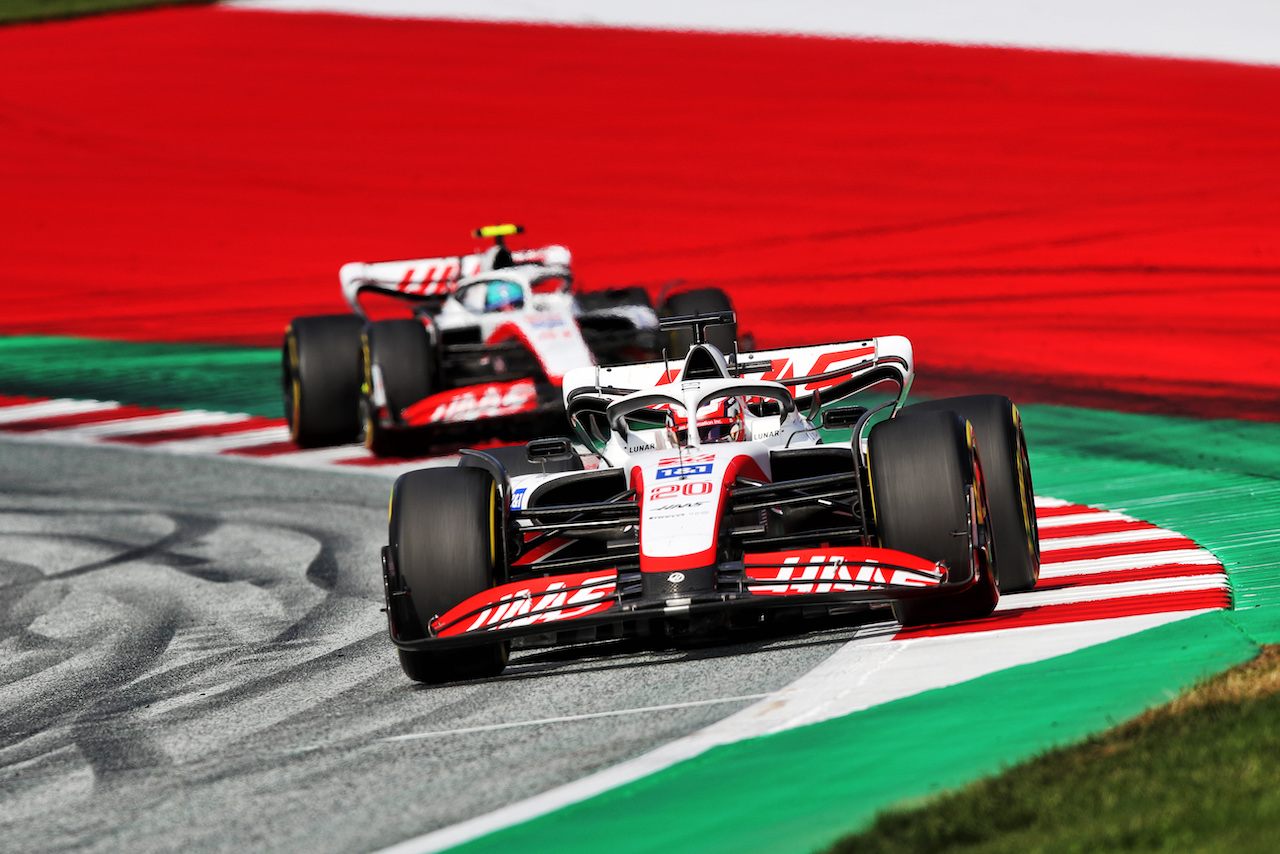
(548, 449)
(815, 406)
(842, 417)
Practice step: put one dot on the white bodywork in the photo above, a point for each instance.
(681, 487)
(426, 277)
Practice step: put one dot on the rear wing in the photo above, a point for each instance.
(423, 279)
(831, 370)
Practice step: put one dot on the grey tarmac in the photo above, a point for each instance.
(193, 658)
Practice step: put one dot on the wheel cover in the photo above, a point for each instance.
(1025, 493)
(294, 408)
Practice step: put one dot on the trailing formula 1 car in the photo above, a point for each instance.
(491, 336)
(701, 494)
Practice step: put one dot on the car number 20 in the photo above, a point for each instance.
(672, 490)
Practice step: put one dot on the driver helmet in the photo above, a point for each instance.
(721, 422)
(503, 296)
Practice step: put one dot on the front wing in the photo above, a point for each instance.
(857, 575)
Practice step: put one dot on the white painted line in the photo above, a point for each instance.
(858, 676)
(164, 421)
(395, 468)
(217, 444)
(1119, 563)
(311, 457)
(1043, 501)
(1140, 535)
(1086, 517)
(51, 408)
(1234, 30)
(1123, 589)
(415, 736)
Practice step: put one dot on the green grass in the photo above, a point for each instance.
(180, 376)
(16, 11)
(1201, 774)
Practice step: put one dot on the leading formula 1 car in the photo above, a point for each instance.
(492, 335)
(714, 501)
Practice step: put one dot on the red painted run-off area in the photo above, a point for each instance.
(1078, 227)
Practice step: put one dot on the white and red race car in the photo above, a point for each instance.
(491, 337)
(711, 492)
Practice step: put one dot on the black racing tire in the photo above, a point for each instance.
(515, 459)
(924, 471)
(613, 298)
(700, 301)
(1006, 471)
(633, 296)
(444, 546)
(321, 379)
(402, 352)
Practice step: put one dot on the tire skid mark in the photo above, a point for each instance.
(187, 529)
(94, 646)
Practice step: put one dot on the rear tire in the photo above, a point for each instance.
(321, 379)
(613, 298)
(401, 351)
(1006, 470)
(700, 301)
(924, 477)
(444, 542)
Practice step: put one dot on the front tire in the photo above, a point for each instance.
(929, 501)
(445, 543)
(321, 379)
(401, 352)
(1006, 469)
(515, 461)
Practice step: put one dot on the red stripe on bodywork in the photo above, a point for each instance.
(541, 551)
(535, 600)
(799, 572)
(487, 400)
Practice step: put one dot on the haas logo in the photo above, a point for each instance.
(831, 574)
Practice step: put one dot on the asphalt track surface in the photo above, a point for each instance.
(194, 659)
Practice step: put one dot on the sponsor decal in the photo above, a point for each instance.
(687, 459)
(821, 573)
(684, 470)
(675, 578)
(689, 488)
(668, 376)
(473, 403)
(517, 498)
(546, 321)
(784, 369)
(527, 603)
